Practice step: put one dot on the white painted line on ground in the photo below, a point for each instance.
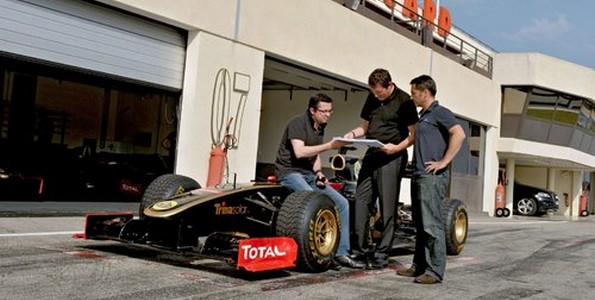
(36, 233)
(515, 222)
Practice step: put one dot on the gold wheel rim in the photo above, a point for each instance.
(325, 232)
(461, 226)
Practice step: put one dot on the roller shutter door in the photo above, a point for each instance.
(93, 38)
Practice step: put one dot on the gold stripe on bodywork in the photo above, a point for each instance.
(188, 201)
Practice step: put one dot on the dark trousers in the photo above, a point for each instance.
(427, 195)
(382, 183)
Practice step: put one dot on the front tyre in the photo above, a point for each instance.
(312, 220)
(163, 187)
(527, 207)
(454, 216)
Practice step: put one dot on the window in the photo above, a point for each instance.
(550, 117)
(542, 104)
(584, 115)
(469, 157)
(513, 100)
(567, 110)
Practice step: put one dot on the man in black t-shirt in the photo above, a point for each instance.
(299, 167)
(388, 115)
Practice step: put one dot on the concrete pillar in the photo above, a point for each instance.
(592, 195)
(206, 56)
(576, 193)
(551, 179)
(510, 165)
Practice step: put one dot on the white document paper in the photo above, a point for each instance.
(367, 142)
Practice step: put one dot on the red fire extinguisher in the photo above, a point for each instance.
(583, 204)
(218, 157)
(216, 165)
(501, 210)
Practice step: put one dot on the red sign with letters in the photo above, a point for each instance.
(262, 254)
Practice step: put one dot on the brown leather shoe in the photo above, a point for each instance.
(425, 279)
(406, 272)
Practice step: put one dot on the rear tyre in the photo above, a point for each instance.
(454, 216)
(584, 213)
(312, 220)
(163, 187)
(499, 212)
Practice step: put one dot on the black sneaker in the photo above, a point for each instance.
(335, 266)
(346, 261)
(378, 263)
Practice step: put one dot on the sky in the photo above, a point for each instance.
(564, 28)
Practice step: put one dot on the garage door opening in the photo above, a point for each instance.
(286, 90)
(70, 136)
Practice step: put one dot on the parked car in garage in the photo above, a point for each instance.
(533, 201)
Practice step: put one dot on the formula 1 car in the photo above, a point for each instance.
(257, 226)
(254, 226)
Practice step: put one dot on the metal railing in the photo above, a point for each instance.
(468, 51)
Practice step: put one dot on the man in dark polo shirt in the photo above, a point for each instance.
(389, 116)
(299, 167)
(438, 138)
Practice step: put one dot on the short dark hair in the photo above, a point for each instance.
(381, 77)
(424, 82)
(320, 97)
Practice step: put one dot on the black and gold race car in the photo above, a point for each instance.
(255, 226)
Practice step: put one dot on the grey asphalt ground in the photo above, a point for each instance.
(547, 257)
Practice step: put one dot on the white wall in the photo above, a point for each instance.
(207, 54)
(325, 36)
(546, 71)
(278, 109)
(564, 184)
(321, 35)
(546, 150)
(217, 17)
(491, 167)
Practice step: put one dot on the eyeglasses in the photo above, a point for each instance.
(324, 111)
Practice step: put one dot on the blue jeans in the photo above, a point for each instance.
(307, 182)
(428, 192)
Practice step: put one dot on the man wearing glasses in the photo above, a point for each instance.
(299, 167)
(389, 116)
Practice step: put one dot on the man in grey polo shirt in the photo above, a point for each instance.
(438, 138)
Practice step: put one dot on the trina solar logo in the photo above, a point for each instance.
(223, 209)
